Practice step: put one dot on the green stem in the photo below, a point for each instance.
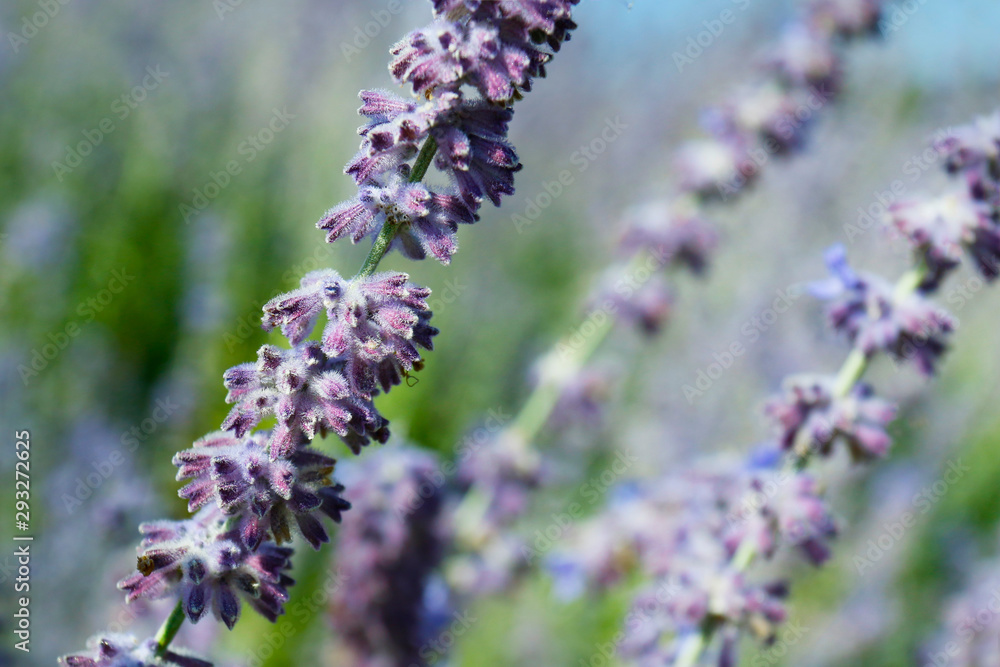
(390, 229)
(169, 629)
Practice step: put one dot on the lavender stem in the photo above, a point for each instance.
(384, 239)
(169, 629)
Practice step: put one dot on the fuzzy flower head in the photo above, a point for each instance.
(877, 318)
(765, 112)
(308, 393)
(944, 228)
(267, 495)
(714, 168)
(847, 18)
(673, 232)
(374, 325)
(974, 146)
(473, 149)
(497, 47)
(805, 58)
(427, 219)
(807, 415)
(119, 650)
(208, 567)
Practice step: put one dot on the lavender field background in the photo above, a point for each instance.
(150, 296)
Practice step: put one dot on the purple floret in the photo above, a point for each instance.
(120, 650)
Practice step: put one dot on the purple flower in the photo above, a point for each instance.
(804, 58)
(785, 507)
(387, 552)
(877, 318)
(765, 111)
(674, 233)
(974, 150)
(473, 148)
(374, 325)
(496, 47)
(848, 18)
(119, 650)
(207, 566)
(307, 392)
(808, 415)
(265, 495)
(395, 130)
(944, 227)
(713, 168)
(428, 220)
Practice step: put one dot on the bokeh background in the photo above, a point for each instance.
(137, 373)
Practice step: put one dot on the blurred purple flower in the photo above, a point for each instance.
(809, 416)
(944, 227)
(876, 318)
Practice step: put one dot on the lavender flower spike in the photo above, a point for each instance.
(118, 650)
(265, 495)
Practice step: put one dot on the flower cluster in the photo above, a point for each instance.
(208, 567)
(118, 650)
(809, 416)
(493, 48)
(876, 317)
(683, 532)
(264, 495)
(374, 324)
(383, 608)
